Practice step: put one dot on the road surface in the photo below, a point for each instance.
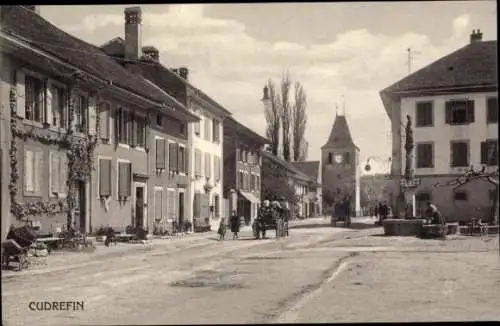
(318, 274)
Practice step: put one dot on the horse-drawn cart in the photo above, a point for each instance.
(270, 219)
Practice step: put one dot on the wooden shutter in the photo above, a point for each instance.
(158, 204)
(92, 112)
(104, 177)
(63, 176)
(104, 114)
(133, 130)
(160, 154)
(122, 179)
(180, 158)
(38, 170)
(448, 112)
(187, 167)
(20, 92)
(146, 132)
(54, 173)
(48, 103)
(28, 170)
(492, 109)
(470, 111)
(172, 152)
(117, 124)
(197, 162)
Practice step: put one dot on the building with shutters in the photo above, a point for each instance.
(242, 169)
(80, 129)
(202, 199)
(453, 104)
(311, 193)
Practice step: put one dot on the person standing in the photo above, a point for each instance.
(235, 225)
(222, 229)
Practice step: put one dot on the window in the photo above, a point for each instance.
(197, 128)
(347, 158)
(489, 152)
(81, 110)
(104, 177)
(104, 118)
(252, 182)
(173, 157)
(159, 120)
(171, 204)
(238, 155)
(492, 110)
(208, 166)
(140, 125)
(34, 99)
(124, 179)
(460, 195)
(182, 159)
(459, 112)
(207, 128)
(197, 162)
(182, 128)
(216, 131)
(330, 158)
(459, 154)
(33, 167)
(58, 172)
(241, 180)
(217, 168)
(161, 163)
(258, 182)
(158, 203)
(425, 155)
(58, 106)
(216, 205)
(424, 114)
(423, 197)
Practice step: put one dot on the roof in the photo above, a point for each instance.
(232, 124)
(116, 48)
(33, 29)
(289, 166)
(340, 135)
(472, 65)
(309, 168)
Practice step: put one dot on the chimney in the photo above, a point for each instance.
(266, 94)
(35, 9)
(151, 52)
(476, 36)
(184, 72)
(133, 18)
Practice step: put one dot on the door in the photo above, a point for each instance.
(139, 206)
(82, 206)
(181, 208)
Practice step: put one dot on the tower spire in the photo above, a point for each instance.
(343, 105)
(336, 109)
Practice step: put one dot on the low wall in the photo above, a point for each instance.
(402, 228)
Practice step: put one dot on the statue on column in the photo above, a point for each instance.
(409, 145)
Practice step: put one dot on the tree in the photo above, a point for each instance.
(286, 117)
(299, 122)
(272, 111)
(275, 183)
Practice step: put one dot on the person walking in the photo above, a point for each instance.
(222, 229)
(235, 225)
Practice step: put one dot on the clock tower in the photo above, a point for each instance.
(340, 166)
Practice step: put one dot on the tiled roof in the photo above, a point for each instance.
(30, 27)
(289, 166)
(340, 135)
(472, 65)
(116, 46)
(309, 168)
(230, 123)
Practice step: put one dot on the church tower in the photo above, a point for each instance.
(340, 166)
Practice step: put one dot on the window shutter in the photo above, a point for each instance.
(133, 127)
(187, 167)
(48, 103)
(63, 176)
(54, 172)
(122, 179)
(158, 204)
(104, 114)
(470, 111)
(117, 124)
(160, 153)
(171, 156)
(484, 152)
(492, 109)
(20, 92)
(104, 177)
(38, 170)
(180, 158)
(197, 127)
(448, 112)
(28, 170)
(92, 112)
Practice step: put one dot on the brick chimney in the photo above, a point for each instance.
(151, 52)
(184, 72)
(33, 8)
(133, 19)
(476, 36)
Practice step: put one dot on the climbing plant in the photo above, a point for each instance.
(80, 153)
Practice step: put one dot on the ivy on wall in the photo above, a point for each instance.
(80, 153)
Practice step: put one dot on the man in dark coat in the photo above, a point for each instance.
(235, 225)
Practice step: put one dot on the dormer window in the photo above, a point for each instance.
(159, 120)
(330, 158)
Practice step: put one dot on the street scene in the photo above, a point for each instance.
(249, 163)
(318, 274)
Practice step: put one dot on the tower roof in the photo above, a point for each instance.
(340, 136)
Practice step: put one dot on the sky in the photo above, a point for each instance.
(342, 53)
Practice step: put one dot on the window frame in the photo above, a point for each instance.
(417, 156)
(62, 155)
(488, 116)
(42, 96)
(118, 161)
(419, 123)
(98, 169)
(161, 190)
(487, 142)
(184, 169)
(453, 109)
(37, 177)
(109, 136)
(460, 141)
(65, 105)
(460, 192)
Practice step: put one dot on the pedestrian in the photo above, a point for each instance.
(235, 225)
(433, 214)
(222, 229)
(375, 211)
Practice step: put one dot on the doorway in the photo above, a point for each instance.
(181, 208)
(139, 205)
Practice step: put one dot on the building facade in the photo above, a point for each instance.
(310, 192)
(453, 104)
(242, 169)
(340, 166)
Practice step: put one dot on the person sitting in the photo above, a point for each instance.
(433, 214)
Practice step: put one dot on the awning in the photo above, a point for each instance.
(250, 197)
